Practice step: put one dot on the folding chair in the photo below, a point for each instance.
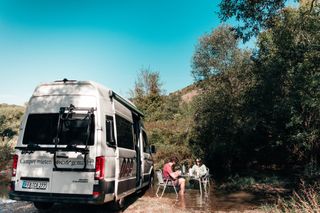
(164, 183)
(205, 180)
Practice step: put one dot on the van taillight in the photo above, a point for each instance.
(14, 165)
(99, 174)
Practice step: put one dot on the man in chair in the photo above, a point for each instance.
(168, 173)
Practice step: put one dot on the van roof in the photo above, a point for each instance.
(74, 87)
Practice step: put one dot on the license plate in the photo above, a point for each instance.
(42, 185)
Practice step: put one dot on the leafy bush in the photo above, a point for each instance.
(235, 183)
(7, 149)
(10, 118)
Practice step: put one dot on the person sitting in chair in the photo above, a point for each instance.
(199, 169)
(168, 173)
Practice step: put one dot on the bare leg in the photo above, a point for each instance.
(182, 184)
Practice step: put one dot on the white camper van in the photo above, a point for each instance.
(80, 142)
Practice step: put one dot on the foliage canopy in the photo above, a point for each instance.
(261, 104)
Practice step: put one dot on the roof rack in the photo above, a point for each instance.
(65, 80)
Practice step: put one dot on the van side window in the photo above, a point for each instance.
(145, 142)
(110, 130)
(124, 133)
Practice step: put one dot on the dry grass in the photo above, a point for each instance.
(307, 200)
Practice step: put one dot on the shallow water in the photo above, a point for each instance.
(208, 202)
(192, 201)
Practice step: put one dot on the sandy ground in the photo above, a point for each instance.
(148, 202)
(141, 205)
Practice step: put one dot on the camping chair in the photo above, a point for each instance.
(164, 183)
(205, 181)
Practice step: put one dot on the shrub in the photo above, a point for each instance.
(7, 149)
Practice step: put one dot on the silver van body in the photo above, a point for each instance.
(80, 142)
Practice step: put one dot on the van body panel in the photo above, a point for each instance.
(110, 167)
(34, 169)
(126, 171)
(64, 154)
(52, 104)
(73, 182)
(147, 168)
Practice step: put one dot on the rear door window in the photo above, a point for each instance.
(75, 130)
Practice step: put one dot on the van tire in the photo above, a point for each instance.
(43, 205)
(151, 180)
(118, 204)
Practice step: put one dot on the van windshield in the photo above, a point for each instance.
(42, 129)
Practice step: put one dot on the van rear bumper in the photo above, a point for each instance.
(56, 197)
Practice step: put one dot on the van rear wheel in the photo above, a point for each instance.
(43, 205)
(118, 204)
(151, 180)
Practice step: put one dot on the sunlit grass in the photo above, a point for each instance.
(307, 200)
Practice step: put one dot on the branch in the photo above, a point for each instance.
(312, 5)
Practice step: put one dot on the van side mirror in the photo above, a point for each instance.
(152, 149)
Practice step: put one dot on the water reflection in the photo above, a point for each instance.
(211, 201)
(192, 201)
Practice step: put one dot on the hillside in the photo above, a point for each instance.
(187, 93)
(170, 131)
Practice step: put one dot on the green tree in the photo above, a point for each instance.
(288, 100)
(167, 129)
(147, 93)
(214, 53)
(261, 105)
(10, 118)
(220, 118)
(253, 16)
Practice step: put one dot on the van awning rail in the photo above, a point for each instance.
(129, 105)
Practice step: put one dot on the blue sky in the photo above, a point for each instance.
(104, 41)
